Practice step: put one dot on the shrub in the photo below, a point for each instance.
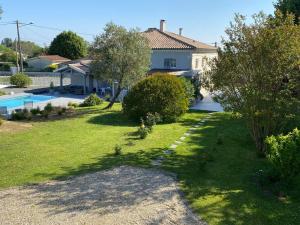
(92, 100)
(21, 115)
(143, 132)
(51, 85)
(35, 111)
(189, 88)
(72, 105)
(283, 152)
(118, 150)
(20, 80)
(152, 119)
(159, 93)
(48, 108)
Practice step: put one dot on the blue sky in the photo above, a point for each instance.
(204, 20)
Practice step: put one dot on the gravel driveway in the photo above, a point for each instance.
(121, 196)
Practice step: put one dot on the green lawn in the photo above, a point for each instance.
(217, 178)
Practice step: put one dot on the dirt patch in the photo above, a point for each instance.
(14, 127)
(121, 196)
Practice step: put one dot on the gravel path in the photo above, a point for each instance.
(121, 196)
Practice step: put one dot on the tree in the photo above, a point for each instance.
(289, 6)
(68, 44)
(7, 42)
(257, 73)
(121, 56)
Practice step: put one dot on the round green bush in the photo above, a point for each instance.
(92, 100)
(20, 80)
(160, 93)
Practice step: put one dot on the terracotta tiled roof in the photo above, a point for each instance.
(168, 40)
(53, 58)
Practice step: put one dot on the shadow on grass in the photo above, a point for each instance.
(216, 176)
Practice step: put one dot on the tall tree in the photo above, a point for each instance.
(7, 42)
(121, 56)
(257, 73)
(289, 6)
(68, 44)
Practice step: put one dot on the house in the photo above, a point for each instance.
(172, 53)
(43, 61)
(177, 54)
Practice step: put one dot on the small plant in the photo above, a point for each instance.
(35, 111)
(118, 150)
(143, 131)
(152, 119)
(48, 108)
(20, 80)
(283, 152)
(21, 115)
(92, 100)
(61, 111)
(73, 105)
(51, 85)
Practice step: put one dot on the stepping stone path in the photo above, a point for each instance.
(160, 159)
(173, 146)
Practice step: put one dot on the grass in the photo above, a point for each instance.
(216, 166)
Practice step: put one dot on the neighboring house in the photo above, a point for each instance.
(177, 54)
(43, 61)
(172, 53)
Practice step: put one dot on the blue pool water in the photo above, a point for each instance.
(13, 102)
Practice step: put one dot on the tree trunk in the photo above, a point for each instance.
(112, 102)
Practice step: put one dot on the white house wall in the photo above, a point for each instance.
(202, 58)
(183, 58)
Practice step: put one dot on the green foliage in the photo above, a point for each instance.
(189, 88)
(283, 152)
(92, 100)
(68, 44)
(8, 55)
(20, 80)
(257, 73)
(21, 115)
(118, 149)
(289, 6)
(121, 56)
(152, 119)
(159, 93)
(48, 108)
(7, 42)
(143, 132)
(35, 111)
(73, 105)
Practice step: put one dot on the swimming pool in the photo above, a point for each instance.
(14, 102)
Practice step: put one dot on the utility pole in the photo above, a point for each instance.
(19, 47)
(18, 68)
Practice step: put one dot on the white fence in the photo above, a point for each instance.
(41, 79)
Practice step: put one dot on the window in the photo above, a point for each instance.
(170, 63)
(197, 63)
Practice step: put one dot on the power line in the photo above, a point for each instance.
(58, 29)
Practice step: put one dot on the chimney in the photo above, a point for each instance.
(162, 25)
(180, 31)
